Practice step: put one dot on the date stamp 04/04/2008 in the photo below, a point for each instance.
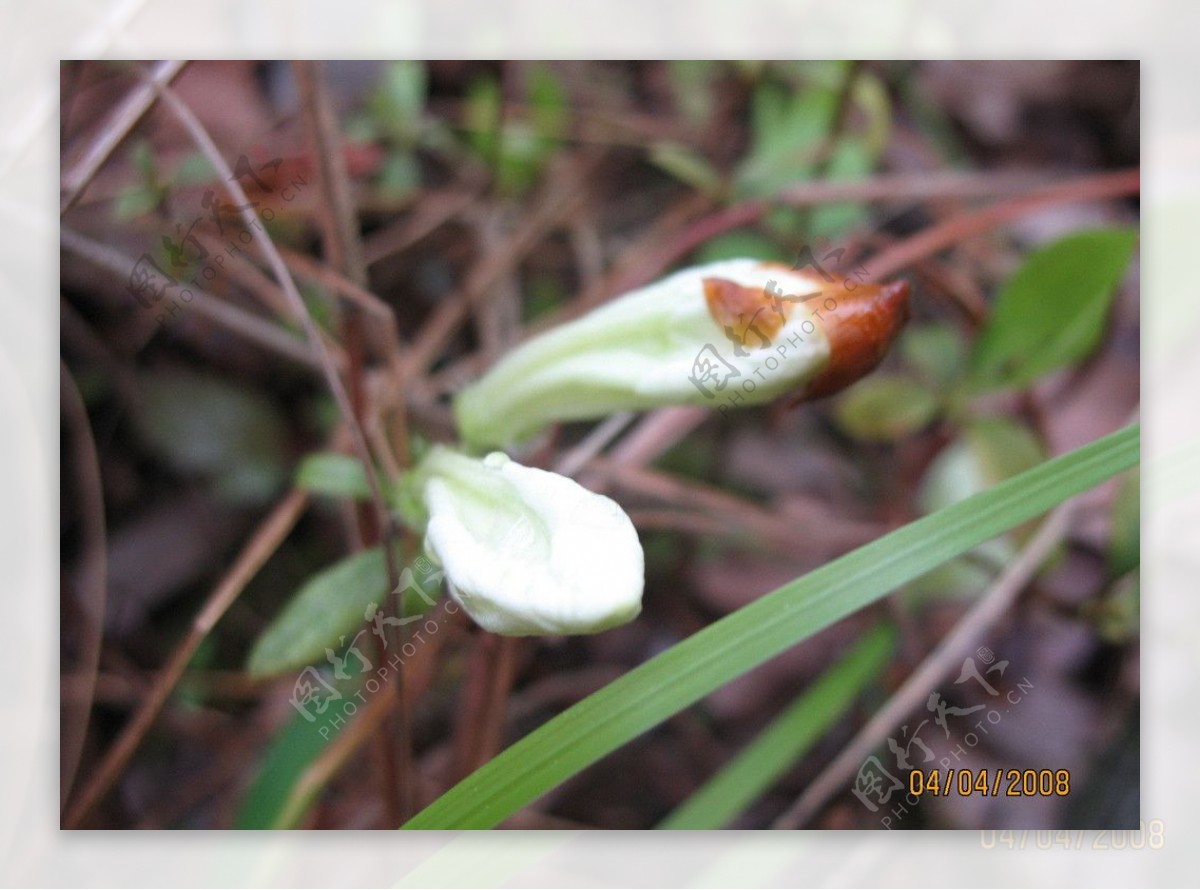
(1148, 835)
(990, 782)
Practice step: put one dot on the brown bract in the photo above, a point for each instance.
(860, 321)
(861, 325)
(738, 308)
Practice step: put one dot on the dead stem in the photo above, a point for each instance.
(257, 551)
(911, 187)
(724, 514)
(680, 231)
(388, 344)
(967, 225)
(504, 671)
(433, 212)
(558, 202)
(257, 283)
(93, 572)
(638, 264)
(993, 605)
(204, 141)
(472, 705)
(960, 289)
(497, 318)
(232, 318)
(654, 435)
(339, 235)
(114, 131)
(337, 216)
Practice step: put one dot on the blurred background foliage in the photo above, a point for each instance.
(522, 193)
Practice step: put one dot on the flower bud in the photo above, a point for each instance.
(526, 551)
(739, 331)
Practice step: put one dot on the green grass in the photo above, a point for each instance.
(759, 765)
(726, 649)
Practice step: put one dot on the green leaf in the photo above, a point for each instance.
(481, 116)
(688, 671)
(1125, 546)
(543, 294)
(1003, 448)
(205, 426)
(399, 102)
(142, 156)
(885, 408)
(871, 97)
(692, 83)
(136, 200)
(689, 167)
(329, 606)
(760, 764)
(1117, 615)
(148, 191)
(294, 748)
(548, 104)
(194, 169)
(740, 243)
(851, 160)
(1052, 312)
(400, 174)
(788, 130)
(988, 451)
(515, 150)
(935, 352)
(336, 475)
(521, 155)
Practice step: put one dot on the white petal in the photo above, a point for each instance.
(531, 552)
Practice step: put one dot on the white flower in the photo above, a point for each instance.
(526, 551)
(734, 332)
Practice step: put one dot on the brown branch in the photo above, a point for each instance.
(318, 273)
(343, 248)
(204, 141)
(558, 202)
(114, 132)
(912, 187)
(993, 605)
(221, 312)
(391, 347)
(675, 236)
(938, 237)
(257, 283)
(337, 216)
(256, 552)
(503, 673)
(93, 577)
(433, 211)
(654, 435)
(716, 511)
